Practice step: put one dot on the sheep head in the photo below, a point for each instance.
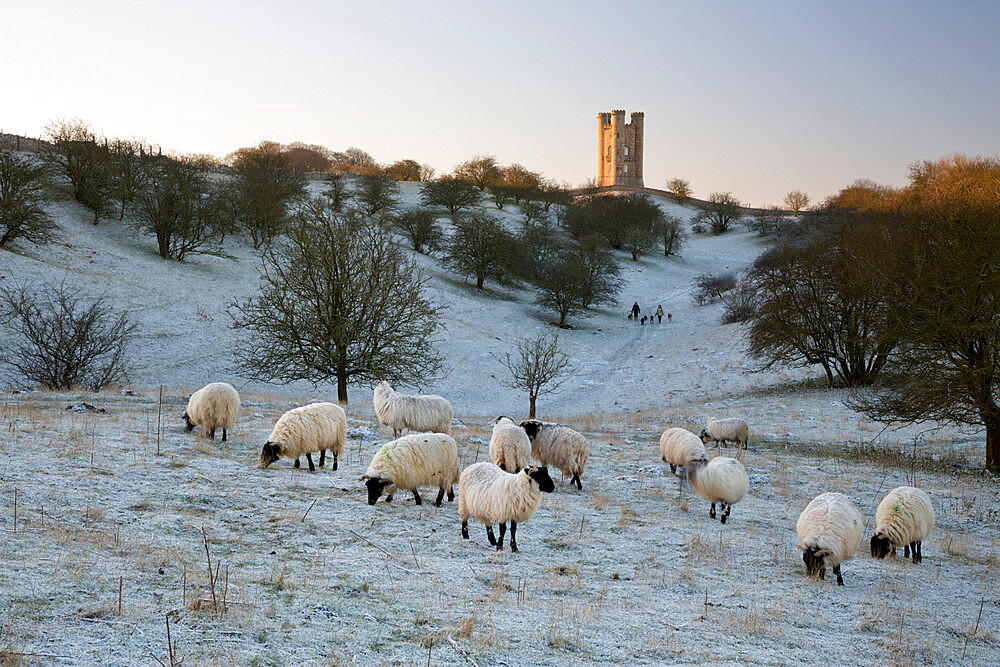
(881, 546)
(376, 487)
(815, 560)
(531, 428)
(187, 419)
(269, 454)
(540, 474)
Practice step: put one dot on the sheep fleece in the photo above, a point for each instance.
(832, 523)
(492, 496)
(560, 447)
(509, 446)
(732, 429)
(905, 515)
(418, 459)
(721, 480)
(421, 412)
(309, 429)
(215, 405)
(679, 446)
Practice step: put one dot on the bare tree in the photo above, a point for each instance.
(338, 299)
(796, 200)
(62, 340)
(710, 287)
(538, 367)
(721, 211)
(377, 195)
(427, 172)
(265, 189)
(482, 171)
(672, 234)
(421, 227)
(481, 247)
(77, 154)
(127, 172)
(451, 192)
(403, 170)
(679, 187)
(337, 191)
(24, 191)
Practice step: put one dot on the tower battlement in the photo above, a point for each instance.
(619, 148)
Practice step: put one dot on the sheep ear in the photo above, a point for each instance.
(364, 477)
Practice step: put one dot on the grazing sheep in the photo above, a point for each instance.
(215, 405)
(429, 459)
(490, 495)
(903, 518)
(722, 480)
(829, 530)
(558, 446)
(723, 430)
(422, 412)
(316, 427)
(679, 446)
(509, 446)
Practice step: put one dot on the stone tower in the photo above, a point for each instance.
(619, 149)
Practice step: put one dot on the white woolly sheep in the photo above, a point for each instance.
(679, 446)
(428, 459)
(829, 530)
(316, 427)
(724, 430)
(903, 519)
(509, 446)
(490, 495)
(558, 446)
(215, 405)
(421, 412)
(722, 480)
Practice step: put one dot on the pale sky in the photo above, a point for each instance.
(756, 98)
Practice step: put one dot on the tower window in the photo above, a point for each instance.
(626, 150)
(626, 169)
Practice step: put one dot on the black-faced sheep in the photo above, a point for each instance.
(492, 496)
(421, 412)
(904, 518)
(509, 445)
(679, 446)
(418, 459)
(722, 480)
(733, 429)
(316, 427)
(558, 446)
(829, 530)
(214, 406)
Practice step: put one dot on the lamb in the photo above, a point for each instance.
(316, 427)
(903, 518)
(679, 446)
(829, 531)
(422, 413)
(723, 430)
(490, 495)
(215, 405)
(429, 459)
(509, 446)
(722, 480)
(559, 446)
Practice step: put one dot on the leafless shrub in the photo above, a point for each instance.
(710, 288)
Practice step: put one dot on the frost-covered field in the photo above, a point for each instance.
(625, 570)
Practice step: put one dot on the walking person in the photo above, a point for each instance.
(659, 314)
(635, 311)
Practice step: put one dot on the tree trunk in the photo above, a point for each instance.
(479, 282)
(993, 447)
(342, 376)
(531, 410)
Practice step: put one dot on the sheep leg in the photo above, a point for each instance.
(297, 462)
(451, 493)
(223, 435)
(673, 469)
(836, 571)
(513, 532)
(503, 531)
(711, 512)
(906, 551)
(465, 529)
(918, 552)
(723, 512)
(322, 458)
(490, 535)
(579, 484)
(416, 498)
(388, 498)
(334, 466)
(211, 434)
(437, 503)
(309, 457)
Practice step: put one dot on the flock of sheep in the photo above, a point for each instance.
(508, 489)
